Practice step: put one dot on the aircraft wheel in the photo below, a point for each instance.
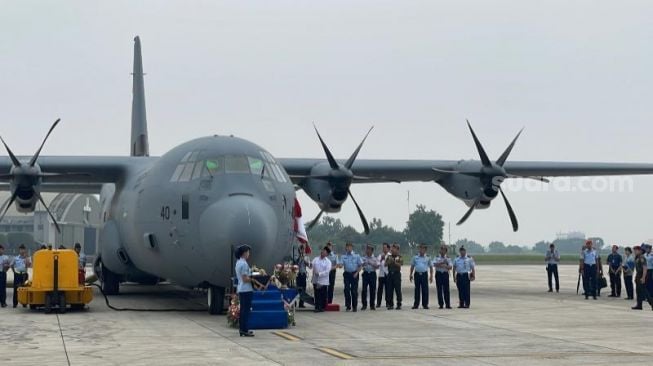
(62, 303)
(110, 282)
(48, 303)
(216, 300)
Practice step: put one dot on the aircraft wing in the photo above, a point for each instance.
(78, 174)
(433, 170)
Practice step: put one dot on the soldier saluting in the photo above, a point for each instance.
(394, 263)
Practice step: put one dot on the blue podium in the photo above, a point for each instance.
(268, 310)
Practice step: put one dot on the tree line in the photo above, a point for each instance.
(427, 226)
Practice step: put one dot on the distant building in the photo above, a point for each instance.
(570, 235)
(78, 216)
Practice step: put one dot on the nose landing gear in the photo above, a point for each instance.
(216, 300)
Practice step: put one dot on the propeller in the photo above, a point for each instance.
(27, 177)
(492, 174)
(340, 178)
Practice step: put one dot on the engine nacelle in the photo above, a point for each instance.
(468, 189)
(329, 197)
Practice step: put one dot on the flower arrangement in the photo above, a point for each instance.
(285, 274)
(233, 314)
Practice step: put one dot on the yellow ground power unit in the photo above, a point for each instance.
(55, 282)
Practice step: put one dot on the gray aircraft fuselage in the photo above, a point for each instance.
(180, 215)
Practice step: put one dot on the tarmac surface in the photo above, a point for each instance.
(512, 321)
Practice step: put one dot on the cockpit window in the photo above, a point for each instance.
(256, 166)
(195, 165)
(236, 164)
(213, 166)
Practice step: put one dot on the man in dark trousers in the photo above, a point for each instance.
(588, 267)
(19, 266)
(615, 262)
(628, 269)
(383, 273)
(552, 259)
(422, 272)
(443, 265)
(464, 272)
(303, 264)
(640, 279)
(332, 274)
(4, 267)
(370, 265)
(351, 263)
(394, 263)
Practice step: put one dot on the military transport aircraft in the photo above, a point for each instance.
(179, 216)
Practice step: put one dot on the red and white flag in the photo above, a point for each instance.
(300, 230)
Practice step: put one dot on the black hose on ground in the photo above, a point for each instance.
(106, 300)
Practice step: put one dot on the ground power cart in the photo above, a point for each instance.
(55, 283)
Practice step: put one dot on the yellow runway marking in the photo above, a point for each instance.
(334, 353)
(287, 336)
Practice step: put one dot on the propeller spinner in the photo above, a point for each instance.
(340, 178)
(26, 177)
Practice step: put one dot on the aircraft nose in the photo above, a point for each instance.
(236, 220)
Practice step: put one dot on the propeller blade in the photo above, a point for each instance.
(11, 202)
(6, 176)
(56, 224)
(468, 213)
(541, 179)
(332, 161)
(481, 151)
(511, 213)
(13, 157)
(502, 159)
(352, 158)
(366, 226)
(315, 220)
(38, 152)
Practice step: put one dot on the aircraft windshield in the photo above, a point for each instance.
(189, 168)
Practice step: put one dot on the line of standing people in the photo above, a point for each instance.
(381, 275)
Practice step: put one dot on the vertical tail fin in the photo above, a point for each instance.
(139, 139)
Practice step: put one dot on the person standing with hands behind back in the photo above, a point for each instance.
(245, 289)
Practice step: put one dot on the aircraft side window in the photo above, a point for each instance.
(186, 157)
(236, 164)
(282, 177)
(199, 166)
(187, 172)
(177, 173)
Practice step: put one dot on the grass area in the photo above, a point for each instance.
(516, 259)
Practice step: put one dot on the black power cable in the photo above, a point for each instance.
(106, 300)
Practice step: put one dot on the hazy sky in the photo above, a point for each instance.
(576, 74)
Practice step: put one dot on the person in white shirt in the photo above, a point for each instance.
(383, 273)
(552, 259)
(321, 269)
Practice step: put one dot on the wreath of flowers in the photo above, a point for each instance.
(233, 314)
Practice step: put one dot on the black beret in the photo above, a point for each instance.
(242, 249)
